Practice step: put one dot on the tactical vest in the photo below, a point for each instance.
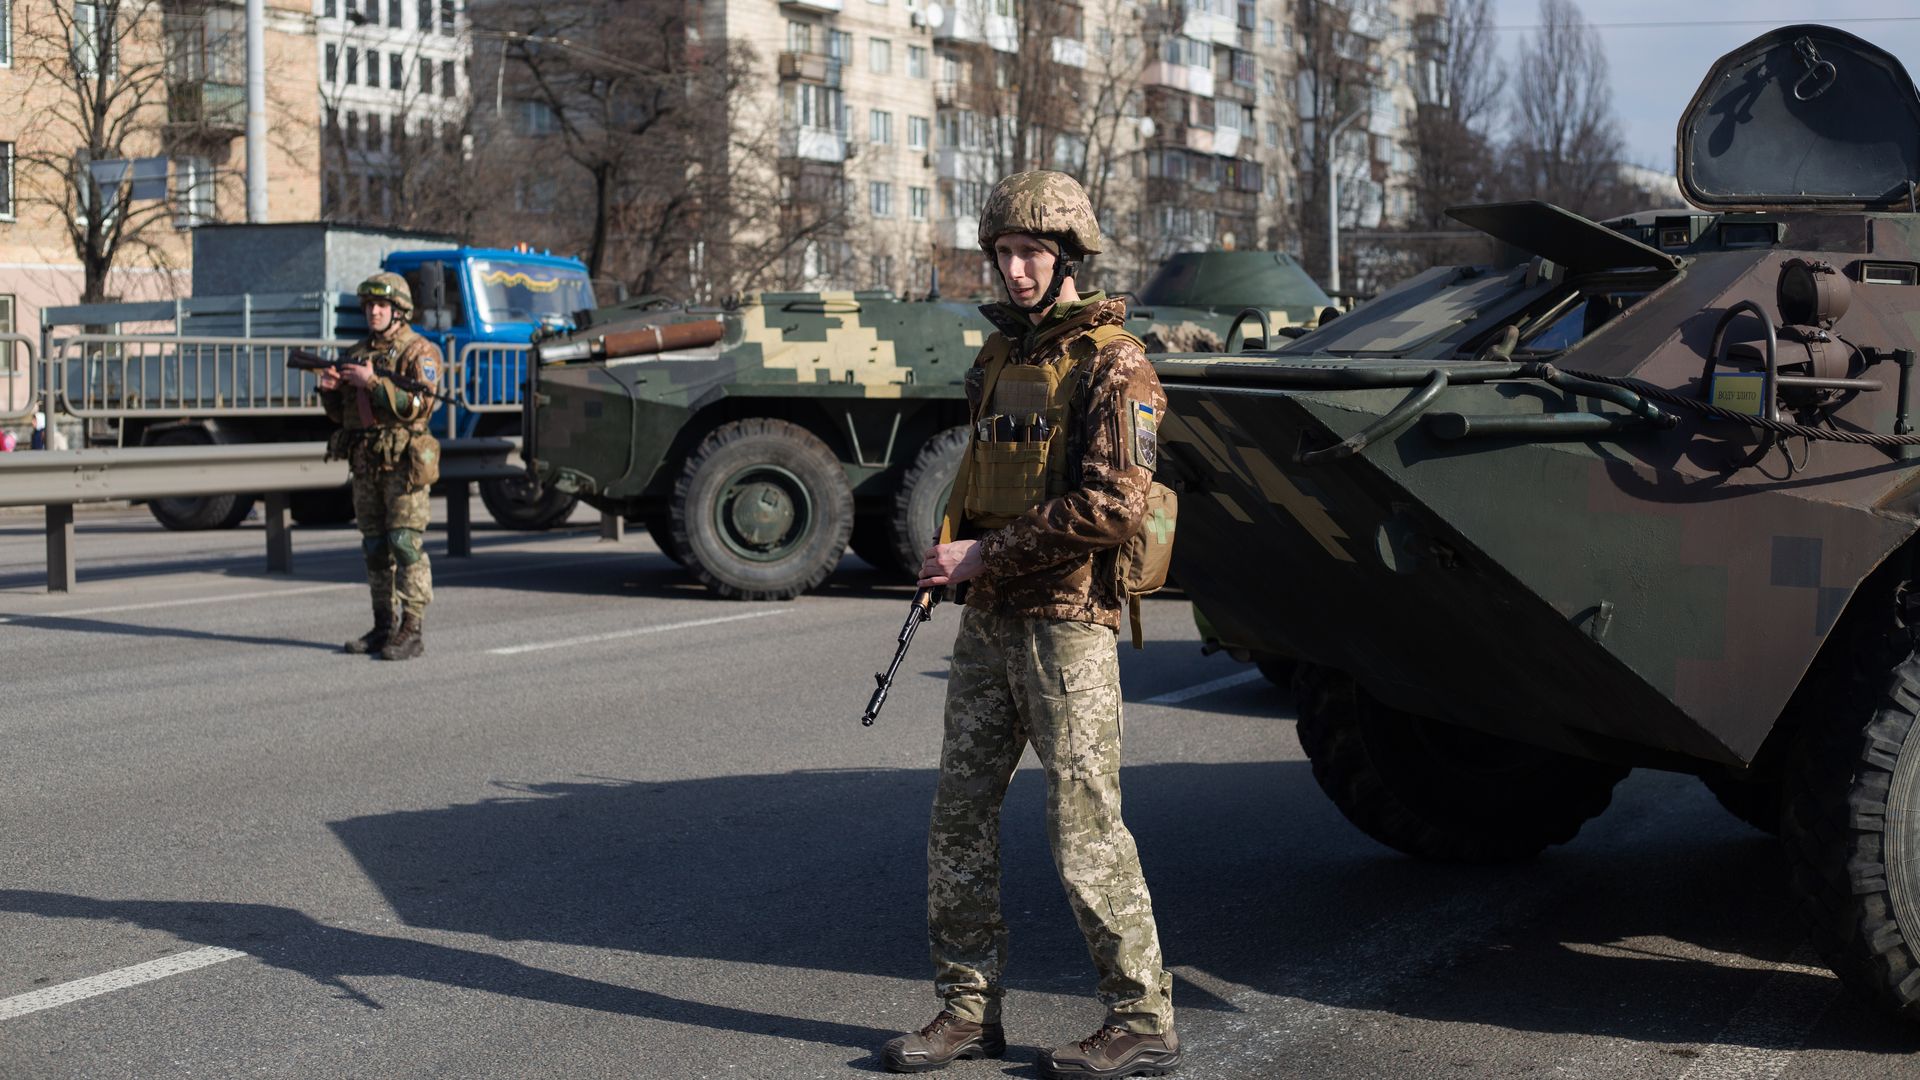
(1017, 459)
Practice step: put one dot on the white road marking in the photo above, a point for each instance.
(634, 632)
(1762, 1038)
(1175, 697)
(93, 986)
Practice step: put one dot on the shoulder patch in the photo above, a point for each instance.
(429, 371)
(1146, 434)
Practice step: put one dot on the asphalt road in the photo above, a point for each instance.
(610, 826)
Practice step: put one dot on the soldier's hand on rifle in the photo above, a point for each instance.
(328, 378)
(358, 376)
(949, 564)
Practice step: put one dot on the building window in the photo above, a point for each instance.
(373, 68)
(393, 14)
(353, 66)
(879, 56)
(94, 47)
(396, 71)
(1269, 33)
(537, 118)
(446, 78)
(949, 68)
(6, 33)
(918, 199)
(840, 46)
(880, 198)
(426, 75)
(375, 144)
(446, 17)
(917, 61)
(426, 16)
(880, 127)
(6, 181)
(192, 191)
(799, 37)
(329, 9)
(917, 128)
(353, 130)
(333, 62)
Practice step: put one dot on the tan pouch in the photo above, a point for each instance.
(423, 460)
(1144, 558)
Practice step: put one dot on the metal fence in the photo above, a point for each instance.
(20, 371)
(490, 376)
(117, 376)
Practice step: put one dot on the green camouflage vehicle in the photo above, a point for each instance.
(808, 423)
(1646, 498)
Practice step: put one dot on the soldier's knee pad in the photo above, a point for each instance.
(374, 547)
(406, 546)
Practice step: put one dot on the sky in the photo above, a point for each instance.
(1655, 70)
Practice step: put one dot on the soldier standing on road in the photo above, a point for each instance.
(1065, 411)
(383, 437)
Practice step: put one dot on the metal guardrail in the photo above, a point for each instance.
(57, 479)
(116, 376)
(19, 377)
(490, 374)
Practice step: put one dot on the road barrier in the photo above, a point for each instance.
(20, 372)
(58, 479)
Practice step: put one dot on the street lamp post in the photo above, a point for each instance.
(1333, 202)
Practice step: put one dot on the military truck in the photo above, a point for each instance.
(813, 421)
(1646, 499)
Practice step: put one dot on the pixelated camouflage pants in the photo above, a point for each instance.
(393, 520)
(1054, 683)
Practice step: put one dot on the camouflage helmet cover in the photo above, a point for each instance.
(390, 287)
(1040, 203)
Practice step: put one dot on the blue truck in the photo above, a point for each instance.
(211, 367)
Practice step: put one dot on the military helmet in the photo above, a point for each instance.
(1041, 203)
(389, 287)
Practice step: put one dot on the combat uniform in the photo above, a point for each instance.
(1065, 415)
(383, 437)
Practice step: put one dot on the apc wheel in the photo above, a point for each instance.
(331, 507)
(660, 528)
(1852, 832)
(922, 498)
(194, 513)
(512, 504)
(1438, 791)
(762, 510)
(872, 540)
(1756, 802)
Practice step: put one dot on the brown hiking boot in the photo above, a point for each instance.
(375, 639)
(407, 642)
(947, 1039)
(1114, 1051)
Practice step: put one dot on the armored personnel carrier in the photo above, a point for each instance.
(1645, 498)
(799, 424)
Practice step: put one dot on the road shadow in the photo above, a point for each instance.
(1655, 926)
(120, 629)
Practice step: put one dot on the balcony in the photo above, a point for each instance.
(1193, 80)
(813, 144)
(971, 24)
(208, 106)
(957, 163)
(810, 67)
(1197, 139)
(1070, 52)
(947, 93)
(1210, 26)
(1226, 141)
(828, 6)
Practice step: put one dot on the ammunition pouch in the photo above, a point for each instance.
(378, 450)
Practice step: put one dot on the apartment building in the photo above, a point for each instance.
(394, 90)
(173, 76)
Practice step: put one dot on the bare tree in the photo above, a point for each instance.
(102, 69)
(1449, 135)
(1333, 83)
(1566, 145)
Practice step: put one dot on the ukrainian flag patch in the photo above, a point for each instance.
(1146, 434)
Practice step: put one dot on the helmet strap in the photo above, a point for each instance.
(1064, 267)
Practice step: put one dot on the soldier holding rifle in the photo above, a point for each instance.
(1065, 411)
(382, 394)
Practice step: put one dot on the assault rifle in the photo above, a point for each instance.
(306, 360)
(919, 612)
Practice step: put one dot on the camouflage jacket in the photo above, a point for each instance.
(1057, 560)
(400, 352)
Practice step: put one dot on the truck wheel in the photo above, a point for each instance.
(922, 497)
(872, 540)
(1440, 791)
(660, 528)
(512, 504)
(762, 510)
(333, 506)
(1756, 802)
(1853, 837)
(194, 513)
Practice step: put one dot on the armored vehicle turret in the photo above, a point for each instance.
(1646, 497)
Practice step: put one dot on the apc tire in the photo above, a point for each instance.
(922, 498)
(1756, 802)
(1853, 836)
(201, 512)
(762, 510)
(512, 505)
(1438, 791)
(872, 540)
(660, 529)
(333, 506)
